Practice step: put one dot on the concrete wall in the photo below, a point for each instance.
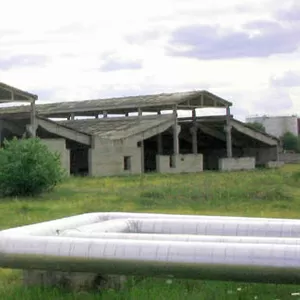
(59, 146)
(277, 126)
(262, 155)
(184, 163)
(106, 158)
(234, 164)
(290, 158)
(274, 164)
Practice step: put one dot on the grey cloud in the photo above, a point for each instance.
(112, 64)
(263, 25)
(210, 42)
(290, 14)
(288, 79)
(22, 61)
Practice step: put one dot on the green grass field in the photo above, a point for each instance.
(260, 193)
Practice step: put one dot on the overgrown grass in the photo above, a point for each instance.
(261, 193)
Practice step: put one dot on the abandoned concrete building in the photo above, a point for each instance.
(133, 135)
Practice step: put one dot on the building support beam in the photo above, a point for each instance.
(175, 133)
(194, 132)
(159, 144)
(13, 127)
(266, 139)
(105, 114)
(175, 137)
(228, 128)
(33, 123)
(140, 114)
(64, 131)
(277, 153)
(218, 135)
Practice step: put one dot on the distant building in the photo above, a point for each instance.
(279, 125)
(116, 142)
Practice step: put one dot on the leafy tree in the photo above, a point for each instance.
(28, 168)
(290, 142)
(256, 126)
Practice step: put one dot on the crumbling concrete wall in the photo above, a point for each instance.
(59, 146)
(234, 164)
(290, 158)
(107, 158)
(182, 163)
(262, 154)
(274, 164)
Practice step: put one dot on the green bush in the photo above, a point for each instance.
(290, 142)
(28, 168)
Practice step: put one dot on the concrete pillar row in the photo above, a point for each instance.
(228, 129)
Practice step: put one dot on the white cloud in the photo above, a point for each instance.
(76, 37)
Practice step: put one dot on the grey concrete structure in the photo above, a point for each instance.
(277, 125)
(10, 94)
(122, 138)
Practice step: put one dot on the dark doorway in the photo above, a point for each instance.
(79, 159)
(150, 151)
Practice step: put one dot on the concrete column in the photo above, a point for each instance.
(159, 144)
(277, 153)
(142, 157)
(228, 133)
(72, 116)
(175, 138)
(140, 112)
(175, 133)
(33, 124)
(194, 132)
(105, 114)
(96, 116)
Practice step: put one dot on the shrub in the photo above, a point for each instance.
(28, 168)
(290, 142)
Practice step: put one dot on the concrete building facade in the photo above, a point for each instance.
(134, 142)
(279, 125)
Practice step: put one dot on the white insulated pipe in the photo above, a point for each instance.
(52, 227)
(221, 261)
(241, 256)
(181, 237)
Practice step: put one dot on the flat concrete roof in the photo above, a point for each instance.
(122, 105)
(120, 128)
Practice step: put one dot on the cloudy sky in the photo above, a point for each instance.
(246, 51)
